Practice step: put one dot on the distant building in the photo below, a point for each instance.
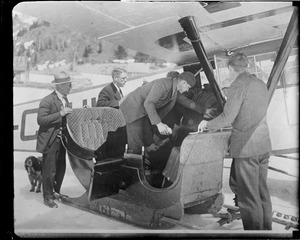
(135, 69)
(21, 68)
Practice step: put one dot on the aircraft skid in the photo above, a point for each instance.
(116, 186)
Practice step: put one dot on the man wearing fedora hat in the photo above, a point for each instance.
(51, 113)
(146, 106)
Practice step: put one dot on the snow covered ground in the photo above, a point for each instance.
(33, 217)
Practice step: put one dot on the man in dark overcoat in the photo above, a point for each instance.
(52, 110)
(110, 95)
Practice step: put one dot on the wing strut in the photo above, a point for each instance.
(283, 53)
(189, 26)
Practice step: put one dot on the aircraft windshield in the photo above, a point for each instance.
(261, 65)
(291, 70)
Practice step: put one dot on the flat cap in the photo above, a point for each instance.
(189, 78)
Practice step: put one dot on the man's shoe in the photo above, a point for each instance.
(59, 195)
(50, 203)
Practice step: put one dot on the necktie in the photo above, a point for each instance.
(66, 99)
(121, 92)
(64, 119)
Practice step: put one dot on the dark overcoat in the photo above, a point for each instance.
(49, 120)
(246, 110)
(109, 96)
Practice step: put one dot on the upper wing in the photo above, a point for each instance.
(153, 28)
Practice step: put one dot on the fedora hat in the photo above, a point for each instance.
(189, 78)
(61, 77)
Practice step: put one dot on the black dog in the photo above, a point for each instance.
(33, 167)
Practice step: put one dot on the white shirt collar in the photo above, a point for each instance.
(60, 96)
(117, 87)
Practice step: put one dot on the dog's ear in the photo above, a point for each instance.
(26, 165)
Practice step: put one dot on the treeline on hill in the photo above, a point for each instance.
(52, 43)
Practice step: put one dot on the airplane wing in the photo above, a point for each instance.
(152, 27)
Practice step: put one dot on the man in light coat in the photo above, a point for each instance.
(250, 144)
(147, 105)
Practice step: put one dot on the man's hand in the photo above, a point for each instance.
(163, 129)
(65, 110)
(202, 126)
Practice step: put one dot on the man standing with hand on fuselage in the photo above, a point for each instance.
(250, 144)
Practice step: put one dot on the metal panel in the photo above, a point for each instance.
(201, 158)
